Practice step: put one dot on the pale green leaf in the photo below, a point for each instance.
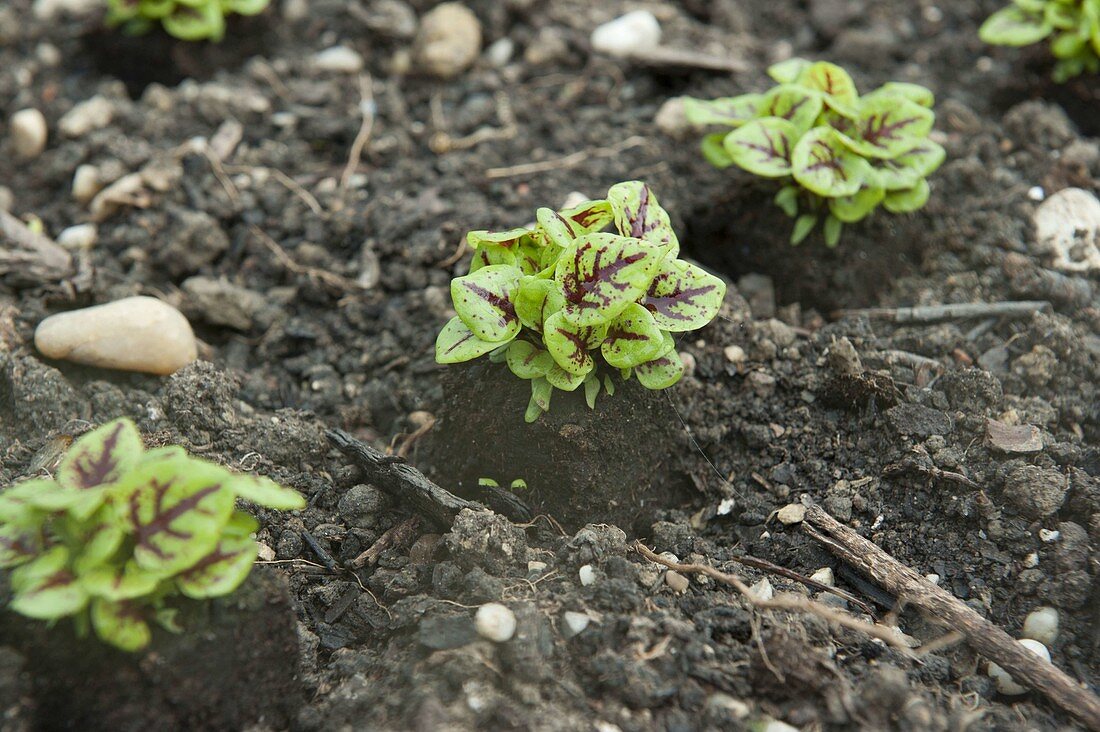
(637, 214)
(483, 300)
(632, 338)
(907, 201)
(763, 147)
(728, 111)
(457, 343)
(528, 361)
(683, 296)
(1012, 26)
(823, 163)
(122, 624)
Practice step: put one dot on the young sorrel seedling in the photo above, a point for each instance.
(188, 20)
(837, 154)
(120, 530)
(1073, 27)
(565, 304)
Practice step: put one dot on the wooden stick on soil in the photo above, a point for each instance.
(787, 602)
(985, 637)
(27, 257)
(955, 311)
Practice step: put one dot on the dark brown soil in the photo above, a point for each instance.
(698, 470)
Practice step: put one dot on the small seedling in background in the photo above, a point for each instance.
(565, 305)
(188, 20)
(121, 530)
(837, 155)
(1073, 27)
(518, 484)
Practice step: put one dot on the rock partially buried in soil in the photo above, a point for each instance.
(1005, 683)
(134, 334)
(495, 622)
(92, 114)
(448, 42)
(338, 59)
(1041, 625)
(633, 33)
(1036, 492)
(1067, 228)
(28, 133)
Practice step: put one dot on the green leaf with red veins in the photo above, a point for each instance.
(457, 343)
(101, 456)
(824, 164)
(122, 624)
(663, 371)
(1013, 26)
(632, 338)
(795, 104)
(728, 111)
(763, 147)
(19, 544)
(569, 344)
(887, 127)
(639, 215)
(588, 217)
(528, 361)
(786, 72)
(906, 170)
(683, 296)
(483, 300)
(119, 583)
(850, 209)
(536, 300)
(602, 274)
(266, 492)
(559, 378)
(832, 81)
(496, 247)
(226, 567)
(175, 510)
(913, 92)
(46, 588)
(100, 537)
(18, 503)
(909, 200)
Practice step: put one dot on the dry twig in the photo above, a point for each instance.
(985, 637)
(568, 161)
(329, 278)
(955, 311)
(28, 257)
(367, 109)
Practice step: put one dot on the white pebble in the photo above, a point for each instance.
(1067, 229)
(628, 34)
(725, 507)
(86, 183)
(763, 590)
(792, 513)
(91, 114)
(1041, 624)
(933, 578)
(28, 133)
(338, 59)
(734, 354)
(676, 581)
(824, 576)
(75, 238)
(575, 622)
(587, 574)
(1036, 193)
(1005, 683)
(449, 40)
(574, 198)
(1049, 536)
(133, 334)
(536, 566)
(672, 120)
(495, 622)
(500, 51)
(1031, 560)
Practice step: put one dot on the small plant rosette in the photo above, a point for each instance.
(120, 530)
(188, 20)
(837, 155)
(567, 305)
(1073, 27)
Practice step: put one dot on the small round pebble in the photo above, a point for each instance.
(76, 238)
(133, 334)
(495, 622)
(338, 59)
(449, 40)
(1005, 683)
(28, 133)
(575, 622)
(633, 33)
(763, 590)
(792, 513)
(1041, 624)
(91, 114)
(824, 576)
(86, 183)
(676, 581)
(587, 574)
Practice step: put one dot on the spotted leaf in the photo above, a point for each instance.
(528, 361)
(795, 104)
(632, 338)
(727, 111)
(569, 344)
(887, 127)
(824, 164)
(763, 146)
(46, 587)
(834, 82)
(483, 300)
(175, 510)
(536, 300)
(226, 567)
(457, 343)
(566, 225)
(101, 456)
(496, 247)
(602, 274)
(122, 624)
(1013, 26)
(559, 378)
(908, 168)
(638, 215)
(663, 371)
(683, 296)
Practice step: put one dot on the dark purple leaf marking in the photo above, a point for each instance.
(875, 128)
(503, 304)
(616, 334)
(579, 355)
(459, 342)
(773, 149)
(826, 158)
(580, 285)
(162, 519)
(790, 113)
(24, 544)
(585, 218)
(91, 470)
(60, 578)
(680, 296)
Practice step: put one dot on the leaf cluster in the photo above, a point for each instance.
(188, 20)
(1073, 27)
(120, 529)
(838, 155)
(565, 304)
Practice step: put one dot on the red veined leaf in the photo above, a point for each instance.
(122, 624)
(888, 126)
(46, 588)
(832, 81)
(496, 247)
(226, 567)
(849, 209)
(19, 544)
(763, 146)
(638, 215)
(602, 274)
(119, 583)
(823, 163)
(483, 299)
(101, 456)
(457, 343)
(663, 371)
(796, 104)
(536, 300)
(528, 361)
(632, 338)
(569, 344)
(683, 296)
(907, 169)
(786, 72)
(913, 92)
